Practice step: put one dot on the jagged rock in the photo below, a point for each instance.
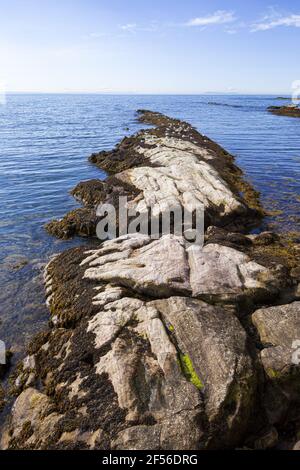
(95, 192)
(214, 344)
(32, 420)
(181, 431)
(144, 371)
(172, 168)
(82, 222)
(279, 331)
(154, 360)
(159, 268)
(166, 266)
(221, 272)
(279, 325)
(169, 166)
(177, 177)
(116, 371)
(146, 348)
(91, 192)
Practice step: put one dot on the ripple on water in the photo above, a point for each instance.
(44, 144)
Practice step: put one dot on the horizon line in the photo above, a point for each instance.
(40, 92)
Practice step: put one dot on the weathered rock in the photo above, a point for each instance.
(95, 192)
(181, 431)
(221, 272)
(177, 177)
(171, 165)
(153, 359)
(146, 348)
(90, 193)
(280, 325)
(159, 268)
(145, 371)
(136, 346)
(289, 111)
(174, 165)
(82, 222)
(69, 296)
(166, 266)
(213, 345)
(32, 420)
(279, 331)
(119, 366)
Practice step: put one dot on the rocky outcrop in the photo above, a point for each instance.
(177, 368)
(289, 111)
(158, 343)
(279, 332)
(171, 165)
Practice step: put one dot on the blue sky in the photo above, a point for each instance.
(160, 46)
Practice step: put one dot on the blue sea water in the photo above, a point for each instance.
(44, 144)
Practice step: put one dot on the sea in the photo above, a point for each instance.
(45, 141)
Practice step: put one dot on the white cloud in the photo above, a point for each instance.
(275, 20)
(97, 35)
(129, 27)
(152, 26)
(219, 17)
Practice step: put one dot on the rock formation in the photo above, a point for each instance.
(157, 343)
(289, 111)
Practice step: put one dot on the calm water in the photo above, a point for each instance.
(44, 144)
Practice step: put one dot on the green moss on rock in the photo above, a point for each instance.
(187, 368)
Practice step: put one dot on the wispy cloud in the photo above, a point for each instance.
(97, 35)
(152, 26)
(218, 17)
(131, 27)
(275, 20)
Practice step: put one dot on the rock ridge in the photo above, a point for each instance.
(159, 344)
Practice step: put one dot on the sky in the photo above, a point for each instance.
(156, 46)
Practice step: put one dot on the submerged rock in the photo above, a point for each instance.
(15, 262)
(290, 111)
